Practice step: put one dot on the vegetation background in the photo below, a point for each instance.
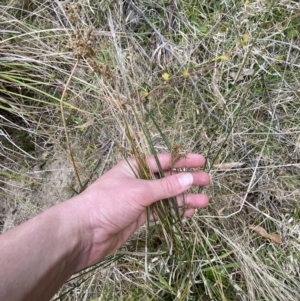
(86, 83)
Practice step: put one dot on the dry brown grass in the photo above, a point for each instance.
(232, 94)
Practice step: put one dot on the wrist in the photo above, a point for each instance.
(75, 232)
(95, 240)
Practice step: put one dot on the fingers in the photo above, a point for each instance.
(187, 204)
(189, 212)
(200, 178)
(191, 161)
(199, 200)
(172, 186)
(167, 187)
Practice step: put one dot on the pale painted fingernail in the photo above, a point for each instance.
(185, 180)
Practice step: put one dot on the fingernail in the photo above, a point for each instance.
(185, 180)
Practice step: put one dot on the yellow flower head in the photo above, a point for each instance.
(145, 93)
(165, 76)
(223, 58)
(186, 73)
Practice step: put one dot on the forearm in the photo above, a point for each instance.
(37, 257)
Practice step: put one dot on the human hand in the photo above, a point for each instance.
(114, 206)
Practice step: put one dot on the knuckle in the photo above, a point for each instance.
(168, 186)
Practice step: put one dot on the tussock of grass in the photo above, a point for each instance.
(231, 92)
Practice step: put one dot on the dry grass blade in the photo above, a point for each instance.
(65, 126)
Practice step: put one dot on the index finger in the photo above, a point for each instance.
(191, 161)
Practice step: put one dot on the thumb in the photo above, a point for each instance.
(169, 186)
